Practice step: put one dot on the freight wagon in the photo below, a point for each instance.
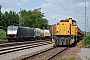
(45, 34)
(37, 32)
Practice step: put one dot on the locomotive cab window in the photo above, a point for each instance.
(57, 23)
(12, 28)
(74, 23)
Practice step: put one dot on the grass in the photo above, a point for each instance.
(2, 40)
(67, 59)
(2, 35)
(43, 59)
(85, 41)
(61, 59)
(87, 58)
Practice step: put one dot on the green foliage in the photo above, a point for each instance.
(34, 19)
(2, 34)
(29, 18)
(86, 41)
(8, 18)
(67, 59)
(87, 58)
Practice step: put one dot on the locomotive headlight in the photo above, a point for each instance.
(57, 32)
(68, 32)
(11, 35)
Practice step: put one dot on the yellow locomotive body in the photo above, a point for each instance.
(65, 32)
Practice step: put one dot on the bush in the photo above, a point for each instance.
(2, 34)
(86, 41)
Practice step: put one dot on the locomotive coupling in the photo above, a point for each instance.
(71, 41)
(54, 42)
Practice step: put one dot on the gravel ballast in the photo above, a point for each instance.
(72, 52)
(16, 54)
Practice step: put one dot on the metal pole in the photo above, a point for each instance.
(0, 11)
(20, 21)
(85, 18)
(87, 27)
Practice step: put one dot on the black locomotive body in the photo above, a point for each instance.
(20, 33)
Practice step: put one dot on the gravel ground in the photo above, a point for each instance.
(85, 53)
(30, 54)
(72, 52)
(43, 55)
(16, 54)
(69, 53)
(46, 54)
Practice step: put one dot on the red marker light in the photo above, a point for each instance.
(12, 35)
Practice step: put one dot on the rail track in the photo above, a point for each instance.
(21, 46)
(51, 57)
(3, 45)
(47, 54)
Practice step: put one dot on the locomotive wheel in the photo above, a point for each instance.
(11, 40)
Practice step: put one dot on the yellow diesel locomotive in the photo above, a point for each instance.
(65, 32)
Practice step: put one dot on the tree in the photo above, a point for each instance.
(29, 18)
(34, 19)
(13, 18)
(9, 18)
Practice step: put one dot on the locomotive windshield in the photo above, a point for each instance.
(74, 23)
(12, 27)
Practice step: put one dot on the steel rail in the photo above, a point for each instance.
(37, 53)
(20, 43)
(21, 47)
(56, 54)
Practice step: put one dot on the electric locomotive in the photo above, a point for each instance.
(19, 33)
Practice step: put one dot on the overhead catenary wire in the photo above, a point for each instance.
(25, 3)
(69, 5)
(64, 7)
(20, 21)
(29, 5)
(72, 9)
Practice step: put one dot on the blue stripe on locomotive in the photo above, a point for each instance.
(34, 32)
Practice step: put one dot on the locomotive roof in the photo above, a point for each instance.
(67, 20)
